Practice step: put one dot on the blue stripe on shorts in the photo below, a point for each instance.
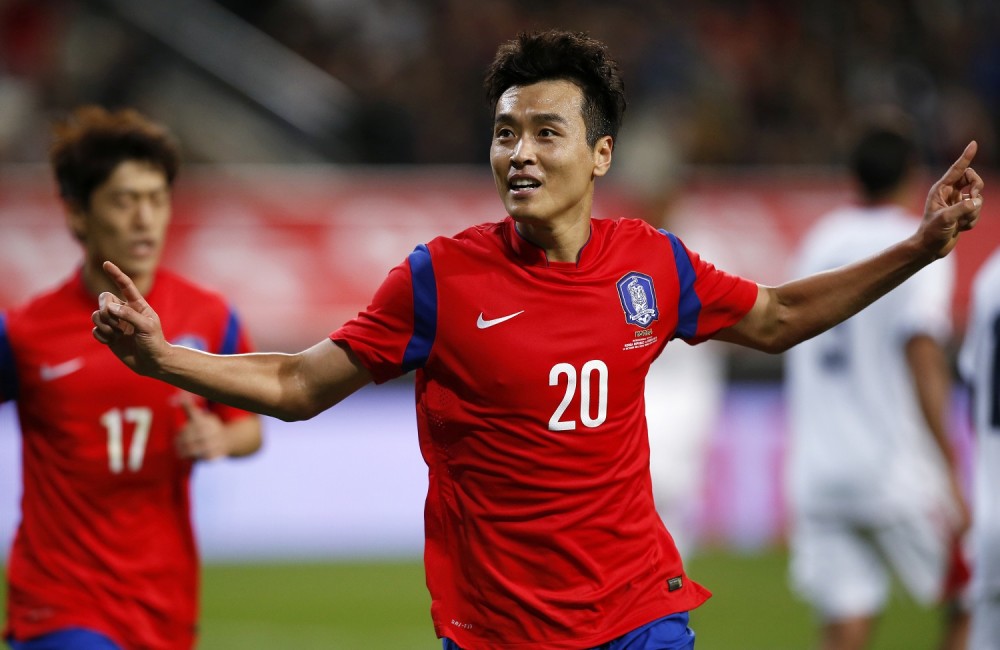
(667, 633)
(70, 639)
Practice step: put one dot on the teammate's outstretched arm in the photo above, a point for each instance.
(793, 312)
(287, 386)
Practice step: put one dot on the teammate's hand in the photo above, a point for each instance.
(203, 437)
(129, 327)
(953, 204)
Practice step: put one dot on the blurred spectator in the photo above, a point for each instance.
(763, 81)
(28, 45)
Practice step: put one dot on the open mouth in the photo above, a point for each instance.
(524, 184)
(142, 248)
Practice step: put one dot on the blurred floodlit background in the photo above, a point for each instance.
(323, 139)
(748, 82)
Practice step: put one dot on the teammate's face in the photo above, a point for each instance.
(126, 221)
(543, 167)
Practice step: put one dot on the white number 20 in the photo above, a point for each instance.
(142, 419)
(556, 423)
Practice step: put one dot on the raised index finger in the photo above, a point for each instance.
(125, 284)
(956, 172)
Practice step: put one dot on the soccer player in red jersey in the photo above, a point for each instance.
(104, 556)
(530, 339)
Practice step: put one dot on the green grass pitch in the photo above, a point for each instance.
(383, 605)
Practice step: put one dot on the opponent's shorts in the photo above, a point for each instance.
(843, 569)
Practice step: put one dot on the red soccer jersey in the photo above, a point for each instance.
(540, 526)
(105, 540)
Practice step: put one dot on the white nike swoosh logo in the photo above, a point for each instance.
(482, 323)
(48, 373)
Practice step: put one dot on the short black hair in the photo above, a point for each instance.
(882, 158)
(573, 56)
(91, 142)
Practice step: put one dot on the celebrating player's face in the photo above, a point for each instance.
(543, 167)
(127, 219)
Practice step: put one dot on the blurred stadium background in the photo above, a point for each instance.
(325, 138)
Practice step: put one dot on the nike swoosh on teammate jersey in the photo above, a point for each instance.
(482, 323)
(48, 373)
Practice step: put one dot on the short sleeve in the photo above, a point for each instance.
(235, 340)
(927, 308)
(388, 337)
(984, 310)
(969, 352)
(710, 299)
(8, 372)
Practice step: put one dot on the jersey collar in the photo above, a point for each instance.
(530, 254)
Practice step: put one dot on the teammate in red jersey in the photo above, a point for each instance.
(530, 339)
(104, 556)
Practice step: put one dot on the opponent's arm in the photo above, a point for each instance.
(786, 315)
(931, 374)
(286, 386)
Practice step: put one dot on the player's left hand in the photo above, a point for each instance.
(128, 325)
(953, 204)
(203, 437)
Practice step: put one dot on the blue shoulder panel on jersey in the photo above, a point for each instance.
(688, 304)
(232, 335)
(8, 374)
(424, 309)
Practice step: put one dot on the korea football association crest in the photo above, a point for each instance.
(638, 299)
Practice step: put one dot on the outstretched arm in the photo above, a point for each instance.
(786, 315)
(287, 386)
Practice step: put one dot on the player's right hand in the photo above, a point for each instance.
(128, 325)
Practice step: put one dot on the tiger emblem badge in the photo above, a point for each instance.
(638, 299)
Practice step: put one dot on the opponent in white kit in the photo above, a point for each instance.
(979, 362)
(872, 483)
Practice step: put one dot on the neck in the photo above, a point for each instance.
(901, 196)
(561, 244)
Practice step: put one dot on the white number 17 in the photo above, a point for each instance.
(142, 419)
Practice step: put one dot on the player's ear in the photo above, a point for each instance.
(76, 219)
(602, 155)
